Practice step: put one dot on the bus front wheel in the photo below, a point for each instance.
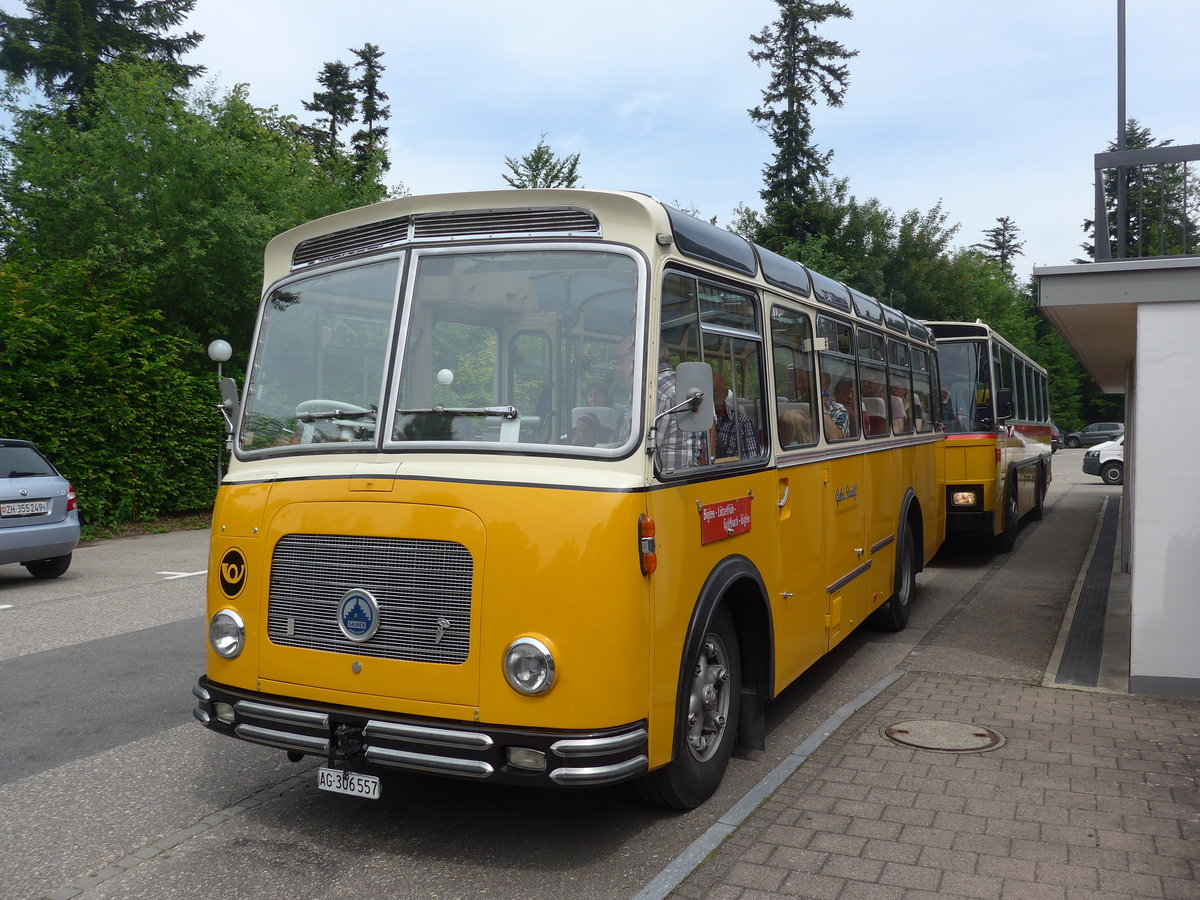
(893, 615)
(1006, 540)
(705, 719)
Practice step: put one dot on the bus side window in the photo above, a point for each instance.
(873, 376)
(899, 387)
(792, 359)
(836, 364)
(923, 408)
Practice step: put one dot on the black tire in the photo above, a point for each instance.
(1007, 539)
(48, 568)
(893, 615)
(1039, 497)
(705, 719)
(1112, 473)
(1073, 443)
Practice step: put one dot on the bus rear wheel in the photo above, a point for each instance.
(893, 615)
(705, 719)
(1039, 497)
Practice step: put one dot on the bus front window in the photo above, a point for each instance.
(967, 404)
(318, 369)
(517, 348)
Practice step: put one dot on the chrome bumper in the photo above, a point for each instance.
(364, 739)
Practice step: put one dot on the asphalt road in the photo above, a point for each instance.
(109, 789)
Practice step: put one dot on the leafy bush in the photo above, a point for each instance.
(110, 399)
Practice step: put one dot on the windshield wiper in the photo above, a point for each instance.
(335, 414)
(16, 474)
(504, 412)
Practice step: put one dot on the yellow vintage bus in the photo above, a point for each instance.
(555, 487)
(996, 412)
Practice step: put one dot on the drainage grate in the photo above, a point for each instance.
(944, 737)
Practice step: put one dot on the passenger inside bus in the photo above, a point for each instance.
(899, 407)
(837, 422)
(795, 427)
(734, 435)
(952, 414)
(843, 393)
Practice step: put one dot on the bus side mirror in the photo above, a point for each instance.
(693, 390)
(230, 405)
(1004, 409)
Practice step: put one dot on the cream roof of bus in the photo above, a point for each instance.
(625, 215)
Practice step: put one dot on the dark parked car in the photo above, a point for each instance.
(39, 515)
(1096, 433)
(1056, 442)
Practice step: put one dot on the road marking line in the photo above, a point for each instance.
(173, 575)
(6, 606)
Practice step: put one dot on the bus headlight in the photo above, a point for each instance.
(964, 498)
(227, 633)
(529, 666)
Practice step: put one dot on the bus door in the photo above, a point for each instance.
(843, 476)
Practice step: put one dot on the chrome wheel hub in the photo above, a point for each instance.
(708, 700)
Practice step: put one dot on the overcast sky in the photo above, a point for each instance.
(993, 107)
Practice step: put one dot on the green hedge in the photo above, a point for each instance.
(122, 409)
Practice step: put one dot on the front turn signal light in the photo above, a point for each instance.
(646, 545)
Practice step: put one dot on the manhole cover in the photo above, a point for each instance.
(946, 737)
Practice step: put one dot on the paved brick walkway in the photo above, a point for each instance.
(1092, 795)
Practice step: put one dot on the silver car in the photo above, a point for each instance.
(39, 515)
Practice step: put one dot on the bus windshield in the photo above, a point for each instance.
(966, 386)
(503, 349)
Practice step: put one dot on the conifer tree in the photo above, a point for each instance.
(368, 142)
(336, 106)
(61, 43)
(805, 68)
(541, 168)
(1001, 244)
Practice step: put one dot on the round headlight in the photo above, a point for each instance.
(227, 633)
(529, 666)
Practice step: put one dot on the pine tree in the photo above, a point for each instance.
(804, 68)
(540, 168)
(1001, 244)
(62, 43)
(369, 142)
(337, 105)
(1160, 204)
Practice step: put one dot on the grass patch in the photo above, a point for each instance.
(180, 522)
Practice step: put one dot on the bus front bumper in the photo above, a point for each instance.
(366, 740)
(973, 522)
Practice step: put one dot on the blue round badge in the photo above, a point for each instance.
(358, 615)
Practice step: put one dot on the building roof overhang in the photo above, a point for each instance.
(1094, 306)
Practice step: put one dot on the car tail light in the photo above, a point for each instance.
(72, 503)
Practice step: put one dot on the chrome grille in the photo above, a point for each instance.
(562, 221)
(373, 238)
(423, 588)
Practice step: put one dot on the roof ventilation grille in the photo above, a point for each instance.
(374, 238)
(557, 221)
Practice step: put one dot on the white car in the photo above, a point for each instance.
(1106, 460)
